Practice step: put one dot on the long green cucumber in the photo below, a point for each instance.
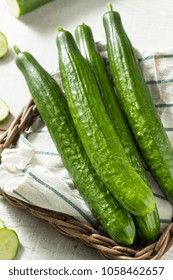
(149, 225)
(85, 41)
(22, 7)
(54, 111)
(137, 103)
(95, 129)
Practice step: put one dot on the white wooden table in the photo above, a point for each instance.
(149, 25)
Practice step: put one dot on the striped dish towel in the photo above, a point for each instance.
(33, 170)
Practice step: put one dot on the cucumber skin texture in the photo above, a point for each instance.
(85, 41)
(137, 104)
(54, 111)
(149, 225)
(26, 6)
(96, 131)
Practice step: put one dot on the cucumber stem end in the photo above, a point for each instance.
(17, 50)
(59, 28)
(110, 7)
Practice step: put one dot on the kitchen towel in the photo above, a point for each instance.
(33, 170)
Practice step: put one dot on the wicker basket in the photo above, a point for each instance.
(69, 226)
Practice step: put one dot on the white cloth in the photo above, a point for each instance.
(33, 171)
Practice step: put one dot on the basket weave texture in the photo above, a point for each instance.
(68, 225)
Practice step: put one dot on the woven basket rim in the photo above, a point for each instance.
(71, 227)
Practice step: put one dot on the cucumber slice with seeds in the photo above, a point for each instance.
(4, 110)
(9, 244)
(3, 45)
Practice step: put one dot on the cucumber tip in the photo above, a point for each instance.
(59, 28)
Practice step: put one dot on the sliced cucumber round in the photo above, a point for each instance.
(9, 244)
(14, 7)
(4, 110)
(3, 45)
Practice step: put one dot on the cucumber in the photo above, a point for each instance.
(137, 103)
(9, 244)
(85, 41)
(149, 225)
(21, 7)
(95, 129)
(3, 45)
(54, 111)
(4, 110)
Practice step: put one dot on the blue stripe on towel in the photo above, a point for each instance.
(149, 57)
(164, 105)
(23, 197)
(159, 196)
(164, 81)
(165, 221)
(12, 177)
(45, 153)
(44, 131)
(61, 196)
